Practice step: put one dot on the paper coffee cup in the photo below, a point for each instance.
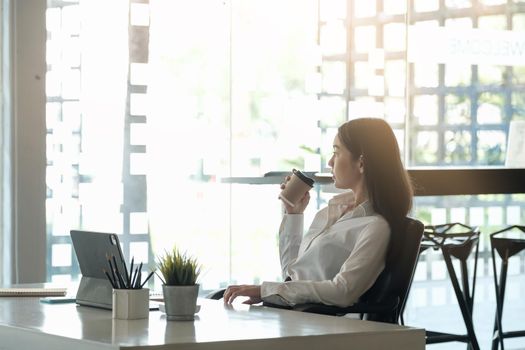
(295, 189)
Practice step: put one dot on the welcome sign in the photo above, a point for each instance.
(470, 46)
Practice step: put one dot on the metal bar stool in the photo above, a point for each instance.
(456, 240)
(507, 242)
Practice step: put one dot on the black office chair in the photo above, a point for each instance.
(385, 300)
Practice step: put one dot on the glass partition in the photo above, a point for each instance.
(142, 132)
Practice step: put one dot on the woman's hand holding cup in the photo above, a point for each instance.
(295, 192)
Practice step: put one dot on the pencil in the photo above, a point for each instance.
(119, 275)
(109, 278)
(139, 280)
(112, 271)
(134, 277)
(130, 282)
(147, 278)
(139, 274)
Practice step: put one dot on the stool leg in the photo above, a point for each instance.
(500, 297)
(462, 302)
(469, 299)
(465, 284)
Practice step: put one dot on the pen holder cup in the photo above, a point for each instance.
(130, 304)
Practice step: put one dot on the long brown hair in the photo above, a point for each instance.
(388, 184)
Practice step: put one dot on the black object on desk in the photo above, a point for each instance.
(92, 249)
(506, 248)
(456, 240)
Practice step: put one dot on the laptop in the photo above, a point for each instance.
(92, 250)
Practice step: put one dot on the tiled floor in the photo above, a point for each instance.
(432, 305)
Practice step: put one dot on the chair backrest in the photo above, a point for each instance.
(396, 278)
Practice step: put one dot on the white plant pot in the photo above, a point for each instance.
(180, 302)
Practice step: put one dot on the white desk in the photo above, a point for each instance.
(25, 323)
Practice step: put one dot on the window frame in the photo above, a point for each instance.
(28, 158)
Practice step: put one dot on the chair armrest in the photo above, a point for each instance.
(216, 294)
(385, 306)
(388, 305)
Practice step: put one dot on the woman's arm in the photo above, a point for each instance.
(290, 237)
(358, 273)
(291, 230)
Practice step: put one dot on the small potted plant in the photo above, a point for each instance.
(180, 289)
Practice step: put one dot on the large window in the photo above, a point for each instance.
(151, 104)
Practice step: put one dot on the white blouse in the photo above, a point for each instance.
(339, 258)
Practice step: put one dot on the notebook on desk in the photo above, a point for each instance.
(32, 292)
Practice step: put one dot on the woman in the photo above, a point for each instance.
(345, 248)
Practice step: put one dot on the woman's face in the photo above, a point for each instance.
(347, 172)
